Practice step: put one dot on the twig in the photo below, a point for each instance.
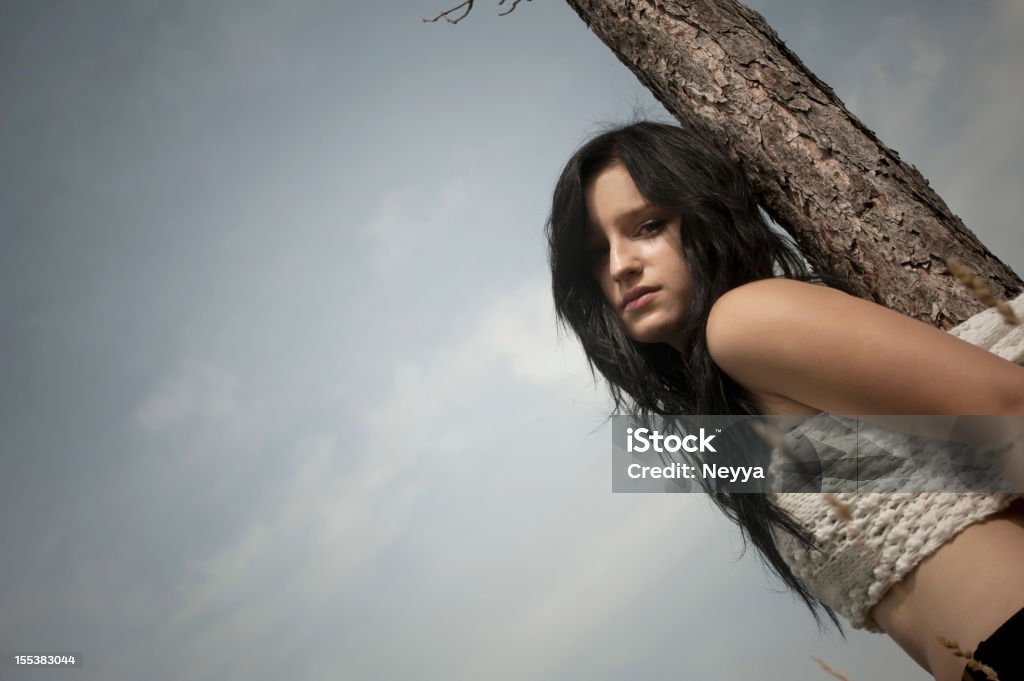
(468, 4)
(509, 10)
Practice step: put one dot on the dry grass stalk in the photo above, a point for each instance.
(828, 669)
(841, 509)
(980, 290)
(845, 513)
(952, 647)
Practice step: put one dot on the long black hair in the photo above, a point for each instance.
(727, 242)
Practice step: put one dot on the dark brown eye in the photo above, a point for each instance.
(652, 227)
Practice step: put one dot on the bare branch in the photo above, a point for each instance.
(509, 10)
(468, 4)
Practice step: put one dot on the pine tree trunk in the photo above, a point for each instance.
(853, 206)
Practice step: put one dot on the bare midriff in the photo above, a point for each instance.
(963, 591)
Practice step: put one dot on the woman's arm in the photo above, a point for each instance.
(845, 355)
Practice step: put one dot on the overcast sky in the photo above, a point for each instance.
(282, 395)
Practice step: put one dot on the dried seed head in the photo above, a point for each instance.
(958, 269)
(1008, 314)
(829, 670)
(980, 290)
(952, 647)
(842, 509)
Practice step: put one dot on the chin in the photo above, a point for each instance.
(654, 332)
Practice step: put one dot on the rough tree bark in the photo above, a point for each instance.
(853, 206)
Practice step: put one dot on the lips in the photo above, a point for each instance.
(638, 296)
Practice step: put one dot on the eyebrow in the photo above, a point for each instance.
(633, 215)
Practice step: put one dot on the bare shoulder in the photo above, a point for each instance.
(775, 292)
(742, 321)
(745, 308)
(839, 353)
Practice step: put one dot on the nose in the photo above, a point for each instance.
(623, 260)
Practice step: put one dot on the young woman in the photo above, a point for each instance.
(687, 302)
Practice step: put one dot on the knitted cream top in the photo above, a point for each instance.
(889, 533)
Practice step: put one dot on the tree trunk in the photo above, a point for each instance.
(853, 206)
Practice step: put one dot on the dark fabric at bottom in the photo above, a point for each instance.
(1003, 651)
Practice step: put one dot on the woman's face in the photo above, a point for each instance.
(637, 257)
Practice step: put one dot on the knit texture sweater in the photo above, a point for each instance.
(888, 534)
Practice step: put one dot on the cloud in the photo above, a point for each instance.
(303, 551)
(519, 331)
(207, 406)
(349, 497)
(514, 343)
(982, 164)
(890, 83)
(404, 220)
(597, 577)
(953, 111)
